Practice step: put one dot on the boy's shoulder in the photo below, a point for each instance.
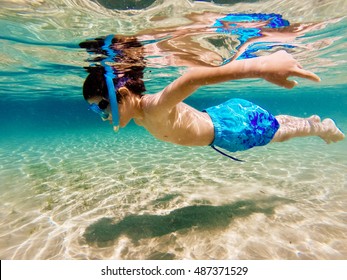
(150, 104)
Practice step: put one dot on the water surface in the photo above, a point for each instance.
(72, 189)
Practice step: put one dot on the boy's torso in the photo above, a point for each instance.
(182, 125)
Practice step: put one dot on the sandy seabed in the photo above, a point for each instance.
(97, 196)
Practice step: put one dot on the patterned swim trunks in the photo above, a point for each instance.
(240, 125)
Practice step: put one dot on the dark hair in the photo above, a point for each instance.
(129, 66)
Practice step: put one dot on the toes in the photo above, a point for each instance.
(315, 118)
(333, 134)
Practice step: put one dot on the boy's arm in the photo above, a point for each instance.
(275, 68)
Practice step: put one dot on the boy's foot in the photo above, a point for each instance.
(330, 132)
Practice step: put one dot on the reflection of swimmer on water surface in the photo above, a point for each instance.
(211, 40)
(116, 93)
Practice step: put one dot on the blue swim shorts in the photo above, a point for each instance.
(240, 125)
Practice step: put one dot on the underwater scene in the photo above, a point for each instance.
(72, 188)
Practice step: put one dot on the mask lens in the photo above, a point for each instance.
(96, 109)
(103, 104)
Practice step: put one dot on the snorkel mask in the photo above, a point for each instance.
(96, 109)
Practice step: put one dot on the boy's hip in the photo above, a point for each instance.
(240, 125)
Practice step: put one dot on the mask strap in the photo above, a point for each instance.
(224, 154)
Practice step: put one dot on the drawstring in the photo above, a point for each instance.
(224, 154)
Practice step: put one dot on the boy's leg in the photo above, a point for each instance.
(291, 127)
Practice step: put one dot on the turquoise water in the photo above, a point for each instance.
(72, 189)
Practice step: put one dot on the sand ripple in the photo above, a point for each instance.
(131, 197)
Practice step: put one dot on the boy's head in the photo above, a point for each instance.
(95, 84)
(127, 69)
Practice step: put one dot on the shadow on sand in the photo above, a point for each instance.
(105, 231)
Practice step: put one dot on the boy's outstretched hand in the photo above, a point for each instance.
(277, 67)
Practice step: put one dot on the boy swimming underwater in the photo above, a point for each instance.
(117, 95)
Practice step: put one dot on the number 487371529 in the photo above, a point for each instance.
(221, 270)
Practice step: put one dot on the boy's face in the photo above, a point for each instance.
(102, 107)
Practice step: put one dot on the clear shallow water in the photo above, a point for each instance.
(71, 189)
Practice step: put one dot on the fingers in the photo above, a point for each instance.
(284, 83)
(289, 84)
(302, 73)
